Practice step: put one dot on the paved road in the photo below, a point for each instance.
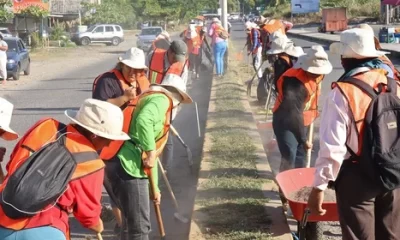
(51, 97)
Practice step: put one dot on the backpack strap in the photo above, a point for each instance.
(367, 89)
(391, 85)
(61, 132)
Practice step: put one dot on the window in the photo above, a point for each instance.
(151, 31)
(12, 45)
(20, 46)
(109, 29)
(118, 28)
(99, 29)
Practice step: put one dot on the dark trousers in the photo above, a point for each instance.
(168, 152)
(132, 197)
(292, 152)
(195, 62)
(366, 212)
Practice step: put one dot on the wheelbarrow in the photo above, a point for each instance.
(309, 226)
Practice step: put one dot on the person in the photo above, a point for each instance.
(193, 41)
(148, 129)
(366, 211)
(248, 36)
(269, 28)
(119, 86)
(91, 128)
(6, 133)
(160, 61)
(218, 44)
(256, 49)
(387, 64)
(3, 58)
(162, 41)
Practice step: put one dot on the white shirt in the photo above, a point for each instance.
(3, 54)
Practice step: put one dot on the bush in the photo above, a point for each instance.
(58, 32)
(36, 41)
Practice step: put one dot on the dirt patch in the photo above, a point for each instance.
(303, 193)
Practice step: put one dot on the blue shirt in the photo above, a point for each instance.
(256, 39)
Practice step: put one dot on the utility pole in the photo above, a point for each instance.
(387, 22)
(224, 13)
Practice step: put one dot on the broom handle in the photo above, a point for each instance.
(99, 237)
(310, 140)
(156, 206)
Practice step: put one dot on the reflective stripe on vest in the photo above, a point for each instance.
(43, 132)
(358, 101)
(310, 112)
(156, 66)
(122, 83)
(386, 60)
(112, 150)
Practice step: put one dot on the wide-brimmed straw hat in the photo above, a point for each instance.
(279, 45)
(356, 43)
(191, 32)
(134, 58)
(294, 51)
(6, 109)
(175, 84)
(369, 28)
(101, 118)
(315, 61)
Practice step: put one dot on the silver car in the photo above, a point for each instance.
(109, 34)
(147, 36)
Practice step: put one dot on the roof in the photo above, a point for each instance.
(12, 38)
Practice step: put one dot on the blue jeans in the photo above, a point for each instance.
(219, 52)
(293, 153)
(40, 233)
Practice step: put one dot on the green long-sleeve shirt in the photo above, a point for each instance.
(146, 127)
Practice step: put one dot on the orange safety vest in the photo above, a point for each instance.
(192, 43)
(157, 68)
(386, 60)
(273, 26)
(41, 133)
(359, 101)
(113, 148)
(143, 82)
(313, 86)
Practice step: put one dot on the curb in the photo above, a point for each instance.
(329, 41)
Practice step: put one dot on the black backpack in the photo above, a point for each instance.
(380, 153)
(40, 180)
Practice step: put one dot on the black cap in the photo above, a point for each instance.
(180, 49)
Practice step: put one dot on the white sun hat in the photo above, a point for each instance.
(175, 84)
(134, 58)
(279, 45)
(369, 28)
(356, 43)
(6, 109)
(191, 32)
(293, 51)
(315, 61)
(248, 25)
(101, 118)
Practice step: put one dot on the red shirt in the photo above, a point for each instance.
(82, 199)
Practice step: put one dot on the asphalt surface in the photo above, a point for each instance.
(51, 97)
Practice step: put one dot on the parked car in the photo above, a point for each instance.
(147, 36)
(5, 32)
(18, 59)
(109, 34)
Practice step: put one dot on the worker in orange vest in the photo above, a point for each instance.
(270, 27)
(148, 126)
(160, 60)
(120, 86)
(366, 209)
(6, 133)
(193, 41)
(91, 128)
(296, 105)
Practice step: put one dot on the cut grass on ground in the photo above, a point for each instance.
(230, 197)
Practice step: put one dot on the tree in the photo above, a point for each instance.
(110, 11)
(35, 12)
(6, 11)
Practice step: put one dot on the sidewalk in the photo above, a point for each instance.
(312, 34)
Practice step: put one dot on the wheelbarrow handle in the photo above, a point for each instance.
(304, 219)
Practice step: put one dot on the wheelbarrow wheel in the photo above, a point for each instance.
(312, 231)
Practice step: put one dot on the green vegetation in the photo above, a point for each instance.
(5, 10)
(355, 8)
(230, 197)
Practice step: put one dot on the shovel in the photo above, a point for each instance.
(310, 140)
(188, 152)
(156, 206)
(177, 215)
(250, 82)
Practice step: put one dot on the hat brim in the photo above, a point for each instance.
(71, 114)
(326, 69)
(133, 64)
(9, 134)
(185, 97)
(275, 51)
(340, 49)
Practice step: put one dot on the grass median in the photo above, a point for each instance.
(230, 197)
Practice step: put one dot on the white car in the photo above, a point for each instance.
(109, 34)
(5, 32)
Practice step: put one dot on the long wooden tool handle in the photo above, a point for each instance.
(2, 176)
(99, 237)
(174, 130)
(310, 140)
(156, 206)
(168, 186)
